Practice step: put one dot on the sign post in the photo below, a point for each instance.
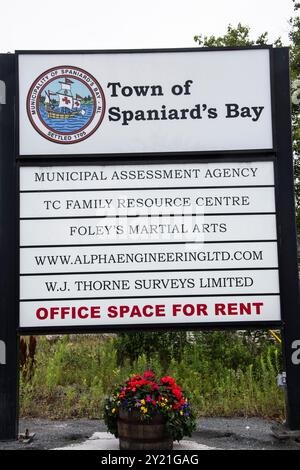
(289, 282)
(8, 254)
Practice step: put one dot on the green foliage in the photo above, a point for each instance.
(294, 36)
(239, 36)
(227, 373)
(163, 344)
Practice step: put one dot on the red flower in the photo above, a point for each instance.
(168, 380)
(149, 375)
(176, 406)
(136, 377)
(177, 392)
(142, 382)
(153, 386)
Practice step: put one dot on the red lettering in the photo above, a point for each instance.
(239, 308)
(257, 306)
(95, 312)
(176, 308)
(136, 311)
(245, 308)
(189, 309)
(54, 311)
(82, 312)
(160, 310)
(112, 311)
(232, 309)
(73, 313)
(64, 311)
(220, 309)
(124, 309)
(202, 309)
(42, 313)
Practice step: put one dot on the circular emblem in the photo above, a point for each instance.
(65, 104)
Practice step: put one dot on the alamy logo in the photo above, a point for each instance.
(65, 104)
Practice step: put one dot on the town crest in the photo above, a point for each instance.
(65, 104)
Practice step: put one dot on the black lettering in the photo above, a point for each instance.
(114, 88)
(232, 110)
(114, 114)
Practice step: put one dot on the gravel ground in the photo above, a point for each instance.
(222, 433)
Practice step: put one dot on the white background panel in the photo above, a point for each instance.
(147, 202)
(136, 230)
(149, 284)
(269, 311)
(113, 258)
(145, 176)
(220, 77)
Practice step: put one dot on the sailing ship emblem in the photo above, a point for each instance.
(66, 104)
(62, 104)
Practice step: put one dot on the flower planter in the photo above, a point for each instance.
(149, 414)
(138, 434)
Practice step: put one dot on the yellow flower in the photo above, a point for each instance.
(143, 402)
(181, 412)
(145, 410)
(113, 410)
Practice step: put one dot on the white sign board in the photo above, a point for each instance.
(144, 102)
(119, 245)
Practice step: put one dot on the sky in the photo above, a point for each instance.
(133, 24)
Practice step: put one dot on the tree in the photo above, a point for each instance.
(240, 36)
(295, 75)
(163, 344)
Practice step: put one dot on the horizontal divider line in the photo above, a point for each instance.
(149, 243)
(146, 297)
(149, 216)
(66, 273)
(155, 188)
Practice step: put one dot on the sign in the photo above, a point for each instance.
(156, 191)
(143, 102)
(127, 245)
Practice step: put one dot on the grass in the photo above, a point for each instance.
(72, 376)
